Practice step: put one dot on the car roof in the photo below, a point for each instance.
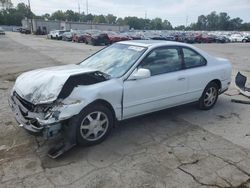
(152, 43)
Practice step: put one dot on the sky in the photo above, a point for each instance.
(178, 12)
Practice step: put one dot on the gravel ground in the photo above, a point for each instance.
(178, 147)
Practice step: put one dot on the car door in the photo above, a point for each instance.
(165, 87)
(196, 71)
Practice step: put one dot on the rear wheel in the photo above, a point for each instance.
(93, 124)
(93, 42)
(209, 96)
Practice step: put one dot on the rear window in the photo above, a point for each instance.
(193, 59)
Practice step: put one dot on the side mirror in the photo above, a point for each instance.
(140, 74)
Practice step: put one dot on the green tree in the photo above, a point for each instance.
(111, 19)
(88, 18)
(212, 21)
(58, 15)
(156, 23)
(72, 16)
(235, 23)
(201, 23)
(134, 22)
(120, 21)
(167, 25)
(14, 16)
(6, 4)
(99, 19)
(224, 21)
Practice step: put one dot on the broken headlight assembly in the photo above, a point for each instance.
(52, 111)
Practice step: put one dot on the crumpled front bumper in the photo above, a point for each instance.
(29, 120)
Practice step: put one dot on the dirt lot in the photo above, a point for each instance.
(179, 147)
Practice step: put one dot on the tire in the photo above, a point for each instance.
(244, 40)
(209, 96)
(94, 43)
(89, 130)
(107, 43)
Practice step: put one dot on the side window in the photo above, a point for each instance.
(193, 59)
(162, 60)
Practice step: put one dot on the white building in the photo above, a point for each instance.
(48, 25)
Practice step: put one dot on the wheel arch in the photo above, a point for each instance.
(217, 82)
(106, 104)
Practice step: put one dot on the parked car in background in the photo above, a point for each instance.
(152, 36)
(79, 36)
(133, 35)
(168, 37)
(116, 37)
(2, 32)
(67, 36)
(56, 34)
(96, 37)
(188, 38)
(25, 30)
(15, 29)
(204, 38)
(246, 39)
(236, 38)
(221, 39)
(127, 79)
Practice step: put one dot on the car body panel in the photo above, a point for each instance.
(126, 97)
(48, 82)
(164, 91)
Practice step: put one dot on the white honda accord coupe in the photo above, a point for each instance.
(127, 79)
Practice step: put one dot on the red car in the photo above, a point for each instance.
(79, 36)
(96, 37)
(201, 38)
(116, 37)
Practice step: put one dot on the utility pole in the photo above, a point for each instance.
(79, 8)
(87, 7)
(30, 15)
(186, 20)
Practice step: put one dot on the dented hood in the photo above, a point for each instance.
(44, 85)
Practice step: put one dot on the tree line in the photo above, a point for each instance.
(10, 15)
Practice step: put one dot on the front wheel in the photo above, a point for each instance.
(209, 96)
(93, 124)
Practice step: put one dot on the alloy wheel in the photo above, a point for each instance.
(210, 96)
(94, 126)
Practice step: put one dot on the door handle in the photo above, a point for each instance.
(181, 78)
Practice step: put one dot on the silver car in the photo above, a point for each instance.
(124, 80)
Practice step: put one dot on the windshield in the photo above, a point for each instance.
(114, 60)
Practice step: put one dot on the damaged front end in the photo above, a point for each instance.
(46, 120)
(44, 107)
(39, 120)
